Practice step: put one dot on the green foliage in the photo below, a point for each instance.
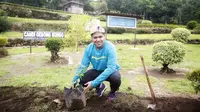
(171, 26)
(181, 34)
(2, 13)
(144, 31)
(197, 16)
(180, 85)
(25, 12)
(168, 52)
(76, 30)
(197, 27)
(116, 30)
(139, 21)
(3, 41)
(3, 52)
(102, 18)
(194, 76)
(5, 25)
(192, 24)
(38, 26)
(146, 22)
(54, 45)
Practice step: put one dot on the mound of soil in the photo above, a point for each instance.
(34, 99)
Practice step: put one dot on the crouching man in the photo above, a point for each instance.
(102, 55)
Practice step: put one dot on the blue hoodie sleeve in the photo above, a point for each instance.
(111, 67)
(83, 67)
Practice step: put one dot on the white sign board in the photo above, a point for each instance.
(122, 22)
(41, 35)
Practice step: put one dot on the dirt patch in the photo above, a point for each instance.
(32, 99)
(155, 72)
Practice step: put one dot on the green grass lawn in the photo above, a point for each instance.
(145, 36)
(12, 34)
(50, 75)
(113, 36)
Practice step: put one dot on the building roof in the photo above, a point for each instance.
(123, 15)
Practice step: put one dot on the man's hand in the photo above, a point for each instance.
(89, 86)
(74, 84)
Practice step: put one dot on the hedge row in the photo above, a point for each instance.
(160, 26)
(20, 42)
(139, 30)
(144, 31)
(38, 27)
(31, 7)
(18, 11)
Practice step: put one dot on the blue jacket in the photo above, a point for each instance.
(104, 59)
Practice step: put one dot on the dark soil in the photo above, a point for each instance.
(34, 99)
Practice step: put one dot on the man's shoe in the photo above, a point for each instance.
(111, 96)
(101, 89)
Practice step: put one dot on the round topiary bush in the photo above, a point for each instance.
(194, 76)
(54, 45)
(146, 22)
(168, 52)
(3, 41)
(192, 24)
(181, 34)
(3, 51)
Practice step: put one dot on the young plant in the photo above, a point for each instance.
(168, 52)
(76, 30)
(54, 45)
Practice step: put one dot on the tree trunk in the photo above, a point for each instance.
(54, 56)
(166, 69)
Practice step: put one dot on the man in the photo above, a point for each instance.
(102, 55)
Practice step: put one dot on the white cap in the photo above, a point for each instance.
(97, 29)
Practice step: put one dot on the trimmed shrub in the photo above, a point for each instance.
(144, 31)
(149, 30)
(3, 51)
(5, 25)
(54, 45)
(115, 30)
(181, 34)
(139, 21)
(168, 52)
(192, 24)
(146, 22)
(194, 76)
(3, 41)
(38, 27)
(102, 18)
(171, 26)
(161, 30)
